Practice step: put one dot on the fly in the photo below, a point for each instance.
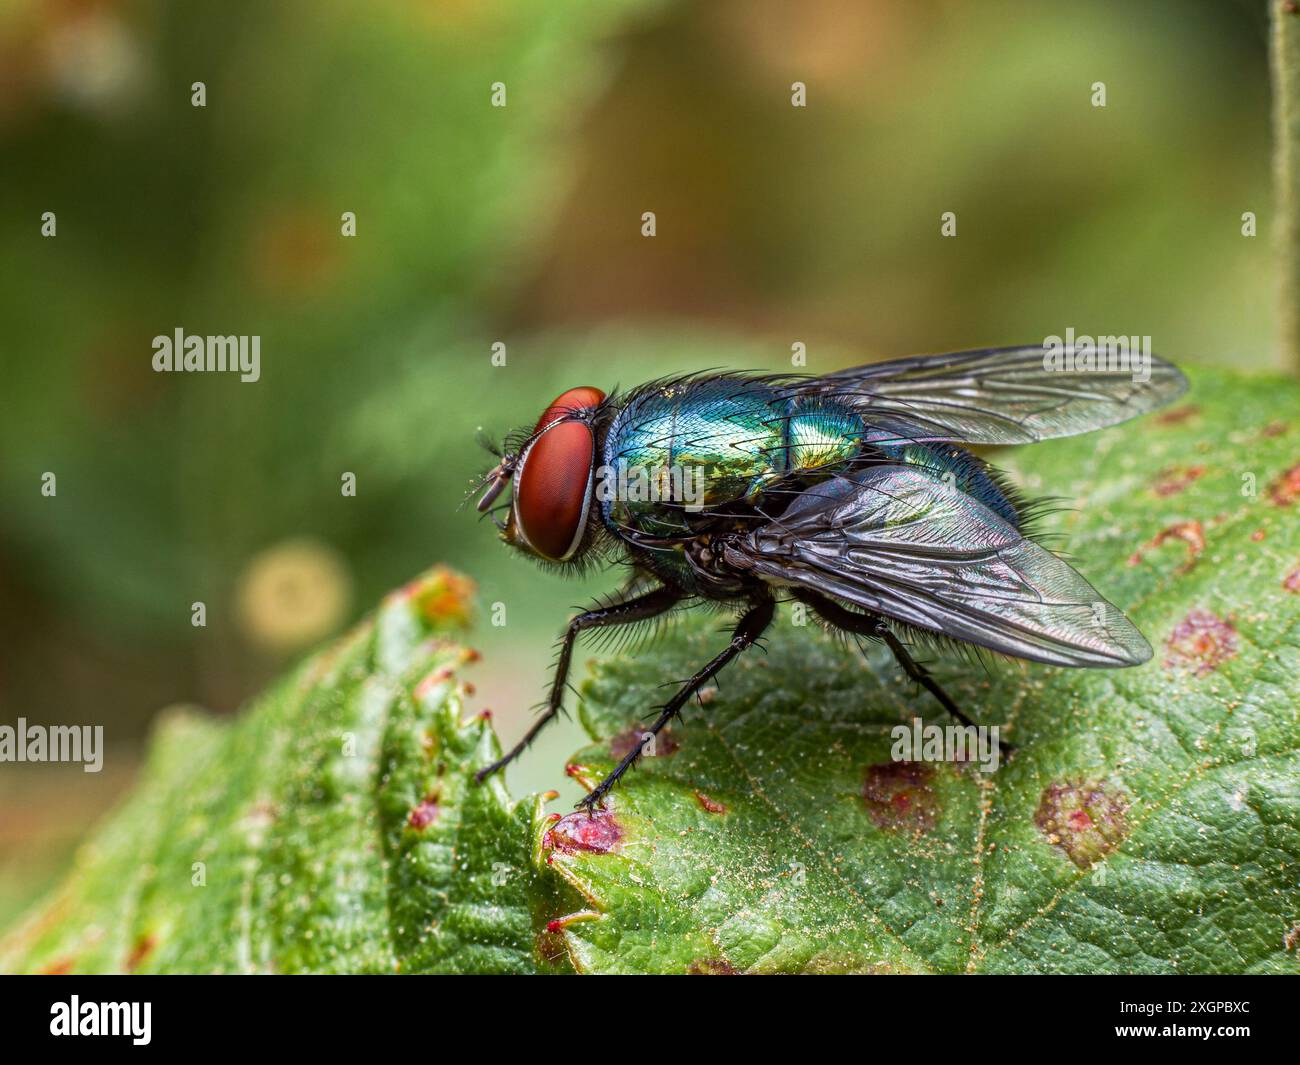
(849, 493)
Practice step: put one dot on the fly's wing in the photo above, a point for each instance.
(898, 541)
(1003, 395)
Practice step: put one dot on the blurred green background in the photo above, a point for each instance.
(522, 225)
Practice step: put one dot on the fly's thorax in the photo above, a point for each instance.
(711, 442)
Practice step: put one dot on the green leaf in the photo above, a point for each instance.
(334, 828)
(1149, 822)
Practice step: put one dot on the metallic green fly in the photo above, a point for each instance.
(847, 493)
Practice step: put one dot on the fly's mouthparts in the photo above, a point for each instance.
(500, 478)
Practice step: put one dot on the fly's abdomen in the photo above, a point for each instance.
(820, 437)
(825, 437)
(960, 471)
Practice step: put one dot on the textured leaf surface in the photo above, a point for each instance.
(1150, 820)
(333, 828)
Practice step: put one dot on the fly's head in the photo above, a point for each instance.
(551, 473)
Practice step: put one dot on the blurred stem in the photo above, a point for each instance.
(1286, 149)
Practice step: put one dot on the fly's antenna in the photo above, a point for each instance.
(477, 488)
(492, 483)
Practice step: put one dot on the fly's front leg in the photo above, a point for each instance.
(875, 626)
(640, 608)
(750, 627)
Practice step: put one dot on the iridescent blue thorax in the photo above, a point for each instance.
(684, 455)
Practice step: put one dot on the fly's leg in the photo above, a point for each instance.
(920, 674)
(640, 608)
(750, 627)
(875, 626)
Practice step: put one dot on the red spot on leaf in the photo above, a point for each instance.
(898, 796)
(61, 967)
(1273, 429)
(629, 740)
(1192, 533)
(1291, 582)
(1176, 479)
(712, 805)
(1085, 820)
(424, 815)
(594, 833)
(1201, 642)
(559, 924)
(1286, 489)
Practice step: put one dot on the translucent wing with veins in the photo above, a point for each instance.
(898, 540)
(1001, 395)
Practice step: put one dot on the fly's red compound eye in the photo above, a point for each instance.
(574, 399)
(552, 493)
